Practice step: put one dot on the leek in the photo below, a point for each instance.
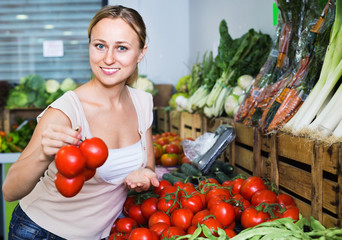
(329, 118)
(330, 74)
(218, 87)
(338, 131)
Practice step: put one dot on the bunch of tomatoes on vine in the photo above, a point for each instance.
(168, 150)
(201, 210)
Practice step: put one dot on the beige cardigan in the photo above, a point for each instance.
(91, 213)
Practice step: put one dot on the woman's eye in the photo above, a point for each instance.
(100, 46)
(122, 48)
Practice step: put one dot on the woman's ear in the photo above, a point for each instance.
(142, 54)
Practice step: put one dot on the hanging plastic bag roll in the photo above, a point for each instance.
(207, 148)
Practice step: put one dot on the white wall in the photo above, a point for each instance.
(181, 30)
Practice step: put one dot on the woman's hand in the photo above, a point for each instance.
(141, 180)
(56, 136)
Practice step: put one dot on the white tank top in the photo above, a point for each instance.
(121, 162)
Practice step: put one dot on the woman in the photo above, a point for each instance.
(105, 107)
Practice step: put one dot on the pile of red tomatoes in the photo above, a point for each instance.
(183, 208)
(168, 150)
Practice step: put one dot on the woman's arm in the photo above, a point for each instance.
(51, 133)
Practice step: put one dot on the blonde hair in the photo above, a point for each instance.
(131, 17)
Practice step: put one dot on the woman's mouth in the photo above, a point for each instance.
(109, 71)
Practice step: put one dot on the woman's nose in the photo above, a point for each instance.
(109, 58)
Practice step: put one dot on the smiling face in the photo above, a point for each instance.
(114, 51)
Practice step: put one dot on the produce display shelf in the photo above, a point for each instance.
(308, 170)
(10, 116)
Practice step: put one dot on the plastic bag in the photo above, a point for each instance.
(205, 149)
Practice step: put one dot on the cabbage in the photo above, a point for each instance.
(143, 83)
(68, 84)
(52, 85)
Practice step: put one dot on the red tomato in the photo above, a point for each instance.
(193, 202)
(89, 173)
(117, 236)
(95, 151)
(182, 218)
(213, 225)
(70, 161)
(187, 188)
(159, 227)
(169, 159)
(208, 184)
(172, 231)
(129, 202)
(237, 185)
(200, 216)
(157, 217)
(162, 185)
(215, 199)
(291, 212)
(172, 148)
(285, 200)
(240, 204)
(69, 187)
(162, 141)
(230, 233)
(250, 186)
(217, 191)
(136, 213)
(223, 212)
(166, 205)
(141, 234)
(168, 191)
(149, 206)
(251, 217)
(158, 150)
(192, 229)
(126, 225)
(231, 226)
(263, 196)
(185, 159)
(227, 183)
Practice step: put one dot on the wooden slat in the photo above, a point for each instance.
(295, 179)
(330, 156)
(192, 125)
(297, 148)
(257, 153)
(175, 121)
(274, 173)
(244, 134)
(163, 121)
(244, 158)
(317, 184)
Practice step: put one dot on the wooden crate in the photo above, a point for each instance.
(175, 121)
(10, 116)
(310, 172)
(249, 150)
(163, 119)
(163, 96)
(192, 125)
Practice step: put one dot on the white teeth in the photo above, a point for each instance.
(110, 70)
